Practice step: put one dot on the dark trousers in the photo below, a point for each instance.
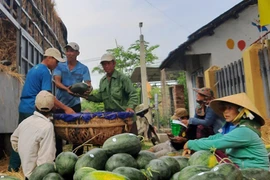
(59, 147)
(15, 161)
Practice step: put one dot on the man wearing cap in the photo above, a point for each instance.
(205, 122)
(115, 89)
(34, 138)
(66, 74)
(37, 79)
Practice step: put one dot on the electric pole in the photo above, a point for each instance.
(143, 68)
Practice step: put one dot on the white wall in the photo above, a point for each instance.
(221, 55)
(235, 29)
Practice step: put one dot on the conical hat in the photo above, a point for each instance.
(179, 112)
(140, 108)
(240, 99)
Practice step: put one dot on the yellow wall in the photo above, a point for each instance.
(253, 79)
(210, 78)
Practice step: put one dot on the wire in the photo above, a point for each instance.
(181, 26)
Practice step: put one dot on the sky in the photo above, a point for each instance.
(98, 25)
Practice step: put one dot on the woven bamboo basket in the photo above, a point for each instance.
(80, 131)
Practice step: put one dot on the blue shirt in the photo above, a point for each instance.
(79, 73)
(37, 79)
(210, 119)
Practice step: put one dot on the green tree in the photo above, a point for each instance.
(182, 81)
(127, 60)
(92, 106)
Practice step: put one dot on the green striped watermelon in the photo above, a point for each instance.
(65, 164)
(130, 172)
(144, 157)
(229, 170)
(123, 143)
(120, 160)
(78, 175)
(208, 176)
(192, 170)
(203, 158)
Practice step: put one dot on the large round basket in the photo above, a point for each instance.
(81, 127)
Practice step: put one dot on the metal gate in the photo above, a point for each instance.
(231, 79)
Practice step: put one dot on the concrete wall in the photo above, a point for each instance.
(240, 30)
(10, 90)
(226, 45)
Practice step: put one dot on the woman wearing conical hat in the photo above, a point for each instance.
(240, 136)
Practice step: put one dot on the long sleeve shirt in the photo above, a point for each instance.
(243, 146)
(210, 119)
(34, 140)
(117, 94)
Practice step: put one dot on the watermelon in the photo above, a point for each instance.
(255, 173)
(172, 163)
(203, 158)
(53, 176)
(95, 158)
(175, 176)
(144, 157)
(5, 177)
(65, 163)
(182, 161)
(130, 172)
(79, 88)
(122, 143)
(104, 175)
(120, 160)
(157, 169)
(41, 171)
(229, 170)
(78, 175)
(190, 171)
(208, 176)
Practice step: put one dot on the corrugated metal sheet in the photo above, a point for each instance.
(10, 90)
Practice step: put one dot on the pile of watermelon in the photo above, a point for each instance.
(121, 158)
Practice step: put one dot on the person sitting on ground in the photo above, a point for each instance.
(142, 121)
(205, 122)
(34, 138)
(175, 143)
(242, 142)
(145, 129)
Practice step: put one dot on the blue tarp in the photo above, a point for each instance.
(88, 116)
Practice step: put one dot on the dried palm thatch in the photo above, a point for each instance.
(265, 130)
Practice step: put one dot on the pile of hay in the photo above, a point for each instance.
(8, 49)
(4, 166)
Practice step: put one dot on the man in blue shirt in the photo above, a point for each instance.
(66, 74)
(37, 79)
